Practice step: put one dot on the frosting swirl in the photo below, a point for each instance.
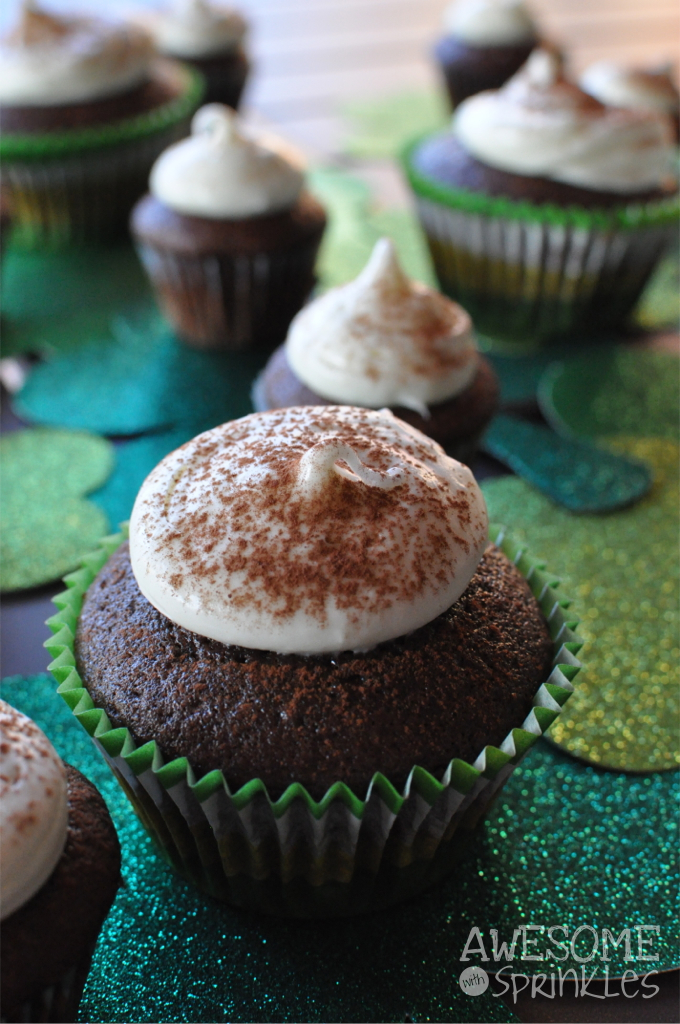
(224, 169)
(635, 88)
(33, 809)
(50, 60)
(307, 530)
(383, 340)
(194, 28)
(541, 124)
(489, 22)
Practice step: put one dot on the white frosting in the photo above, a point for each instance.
(33, 809)
(223, 169)
(540, 124)
(635, 88)
(489, 22)
(194, 28)
(307, 530)
(383, 340)
(50, 59)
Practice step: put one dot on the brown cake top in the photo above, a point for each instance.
(307, 530)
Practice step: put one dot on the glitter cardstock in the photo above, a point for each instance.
(622, 572)
(616, 391)
(565, 844)
(45, 522)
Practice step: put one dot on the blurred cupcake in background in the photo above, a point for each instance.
(545, 211)
(485, 42)
(228, 233)
(208, 36)
(386, 341)
(60, 874)
(85, 108)
(635, 88)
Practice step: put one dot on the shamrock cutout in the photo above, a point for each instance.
(45, 522)
(622, 572)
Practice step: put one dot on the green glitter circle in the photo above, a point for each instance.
(615, 391)
(622, 570)
(565, 844)
(45, 524)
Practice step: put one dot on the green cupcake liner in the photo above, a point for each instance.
(296, 856)
(41, 146)
(529, 272)
(78, 187)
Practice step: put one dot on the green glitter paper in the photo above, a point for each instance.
(45, 523)
(622, 570)
(139, 379)
(382, 127)
(617, 391)
(573, 473)
(565, 844)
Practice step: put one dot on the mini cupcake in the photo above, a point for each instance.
(384, 340)
(308, 669)
(60, 874)
(485, 43)
(544, 210)
(228, 234)
(209, 37)
(635, 88)
(85, 109)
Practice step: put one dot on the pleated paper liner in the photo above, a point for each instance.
(528, 273)
(78, 186)
(58, 1002)
(295, 856)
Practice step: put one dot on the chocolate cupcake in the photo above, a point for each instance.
(208, 36)
(60, 874)
(228, 234)
(634, 88)
(311, 641)
(85, 109)
(383, 340)
(485, 43)
(545, 211)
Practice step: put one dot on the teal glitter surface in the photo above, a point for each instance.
(566, 844)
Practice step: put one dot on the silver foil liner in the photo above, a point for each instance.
(524, 279)
(296, 856)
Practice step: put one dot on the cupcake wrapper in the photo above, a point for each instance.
(527, 272)
(296, 856)
(57, 1002)
(529, 279)
(78, 187)
(232, 302)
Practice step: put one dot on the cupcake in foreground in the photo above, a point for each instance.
(307, 610)
(228, 234)
(636, 88)
(60, 874)
(85, 108)
(384, 340)
(545, 211)
(208, 36)
(485, 43)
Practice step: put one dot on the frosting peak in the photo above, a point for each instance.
(637, 88)
(195, 28)
(48, 59)
(489, 22)
(541, 124)
(33, 809)
(383, 340)
(307, 530)
(224, 169)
